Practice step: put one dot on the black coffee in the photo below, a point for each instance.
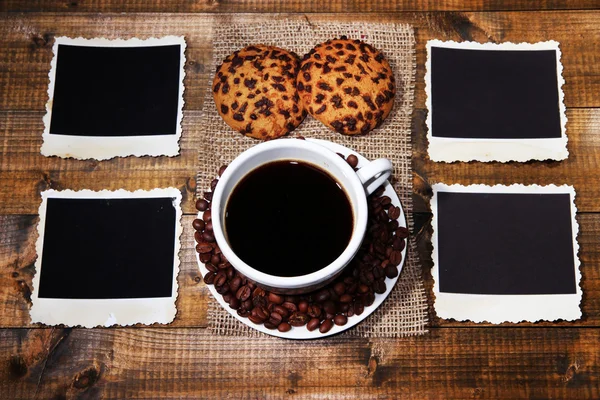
(288, 218)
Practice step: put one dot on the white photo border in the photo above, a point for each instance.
(91, 313)
(503, 150)
(107, 147)
(506, 308)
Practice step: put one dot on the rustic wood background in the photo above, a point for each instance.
(455, 360)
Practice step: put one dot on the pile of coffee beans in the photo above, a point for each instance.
(378, 257)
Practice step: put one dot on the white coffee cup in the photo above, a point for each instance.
(357, 185)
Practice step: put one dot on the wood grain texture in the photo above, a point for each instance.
(25, 173)
(455, 360)
(17, 257)
(292, 6)
(28, 42)
(581, 168)
(477, 363)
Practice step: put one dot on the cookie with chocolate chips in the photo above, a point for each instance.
(347, 84)
(255, 92)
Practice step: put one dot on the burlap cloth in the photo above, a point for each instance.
(404, 312)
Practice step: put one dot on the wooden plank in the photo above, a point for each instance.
(581, 168)
(17, 255)
(173, 363)
(24, 172)
(307, 6)
(28, 39)
(18, 235)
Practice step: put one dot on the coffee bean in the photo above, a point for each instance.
(298, 319)
(230, 273)
(275, 318)
(201, 205)
(281, 311)
(291, 307)
(259, 301)
(235, 284)
(243, 293)
(313, 324)
(221, 278)
(247, 304)
(270, 325)
(209, 278)
(222, 169)
(379, 286)
(351, 289)
(208, 236)
(322, 296)
(395, 257)
(398, 244)
(198, 237)
(222, 289)
(369, 298)
(352, 160)
(258, 292)
(284, 327)
(346, 298)
(326, 326)
(340, 320)
(391, 271)
(215, 259)
(234, 303)
(378, 272)
(394, 212)
(207, 216)
(208, 196)
(339, 288)
(314, 311)
(329, 307)
(209, 226)
(275, 298)
(204, 257)
(243, 312)
(402, 232)
(358, 307)
(260, 312)
(255, 319)
(213, 184)
(362, 288)
(303, 306)
(198, 224)
(203, 248)
(211, 267)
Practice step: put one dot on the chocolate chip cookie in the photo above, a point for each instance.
(347, 85)
(255, 91)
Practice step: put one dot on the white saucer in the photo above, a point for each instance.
(301, 332)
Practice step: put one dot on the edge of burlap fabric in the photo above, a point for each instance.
(404, 312)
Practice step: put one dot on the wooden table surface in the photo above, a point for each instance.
(454, 360)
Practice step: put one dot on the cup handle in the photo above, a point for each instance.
(374, 174)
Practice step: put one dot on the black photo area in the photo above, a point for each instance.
(108, 248)
(505, 243)
(116, 91)
(494, 94)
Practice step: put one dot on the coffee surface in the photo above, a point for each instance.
(288, 218)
